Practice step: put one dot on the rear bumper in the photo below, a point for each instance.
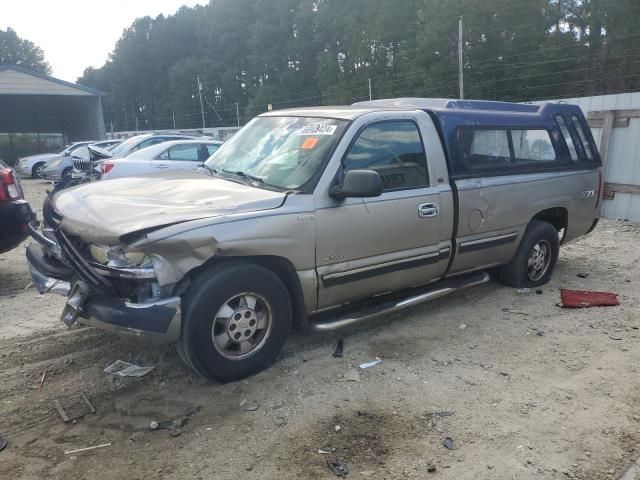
(158, 321)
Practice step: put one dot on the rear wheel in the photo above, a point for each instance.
(236, 318)
(535, 258)
(66, 173)
(36, 171)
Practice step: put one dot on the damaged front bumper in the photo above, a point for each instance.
(93, 301)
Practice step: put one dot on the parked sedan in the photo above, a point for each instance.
(59, 167)
(32, 166)
(15, 213)
(175, 155)
(138, 142)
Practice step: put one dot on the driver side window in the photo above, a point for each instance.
(393, 149)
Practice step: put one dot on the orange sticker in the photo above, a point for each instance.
(309, 143)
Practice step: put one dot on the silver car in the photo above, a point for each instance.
(32, 166)
(62, 165)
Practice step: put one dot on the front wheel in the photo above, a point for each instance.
(236, 318)
(535, 258)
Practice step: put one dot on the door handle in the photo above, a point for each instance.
(161, 165)
(427, 210)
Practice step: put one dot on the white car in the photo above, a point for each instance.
(174, 155)
(32, 166)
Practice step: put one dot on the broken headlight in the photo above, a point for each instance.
(117, 257)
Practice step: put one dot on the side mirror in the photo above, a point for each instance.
(358, 183)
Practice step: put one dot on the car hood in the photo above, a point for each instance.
(104, 211)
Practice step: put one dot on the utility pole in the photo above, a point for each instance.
(238, 113)
(173, 116)
(201, 106)
(370, 97)
(137, 129)
(460, 60)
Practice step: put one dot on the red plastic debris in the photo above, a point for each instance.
(586, 299)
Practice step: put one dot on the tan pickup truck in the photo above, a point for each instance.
(318, 218)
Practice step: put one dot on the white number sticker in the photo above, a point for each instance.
(318, 129)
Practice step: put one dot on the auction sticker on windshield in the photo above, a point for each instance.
(310, 143)
(320, 128)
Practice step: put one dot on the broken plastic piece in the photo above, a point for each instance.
(125, 369)
(339, 349)
(370, 364)
(448, 443)
(338, 468)
(73, 406)
(586, 299)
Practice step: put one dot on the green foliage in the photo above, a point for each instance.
(19, 51)
(309, 52)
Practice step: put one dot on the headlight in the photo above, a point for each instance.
(116, 256)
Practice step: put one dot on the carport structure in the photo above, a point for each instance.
(33, 103)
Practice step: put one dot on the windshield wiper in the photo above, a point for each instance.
(209, 169)
(253, 179)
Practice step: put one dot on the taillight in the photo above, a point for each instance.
(8, 187)
(106, 167)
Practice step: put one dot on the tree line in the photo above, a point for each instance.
(248, 54)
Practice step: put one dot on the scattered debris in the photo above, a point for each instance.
(586, 299)
(125, 369)
(78, 450)
(448, 443)
(539, 291)
(337, 428)
(44, 375)
(370, 364)
(431, 468)
(154, 425)
(504, 374)
(351, 376)
(463, 326)
(339, 349)
(583, 274)
(3, 443)
(73, 406)
(540, 333)
(615, 337)
(339, 469)
(251, 406)
(326, 450)
(515, 312)
(441, 414)
(524, 290)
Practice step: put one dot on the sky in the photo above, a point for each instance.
(75, 34)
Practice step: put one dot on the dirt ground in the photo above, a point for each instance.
(524, 389)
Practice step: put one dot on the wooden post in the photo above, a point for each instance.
(605, 140)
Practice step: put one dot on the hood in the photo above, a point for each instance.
(104, 211)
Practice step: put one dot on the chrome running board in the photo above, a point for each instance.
(417, 297)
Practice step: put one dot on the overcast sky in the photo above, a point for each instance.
(76, 34)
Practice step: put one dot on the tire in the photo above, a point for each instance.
(535, 258)
(218, 303)
(35, 171)
(66, 172)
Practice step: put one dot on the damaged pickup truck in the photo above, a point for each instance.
(319, 218)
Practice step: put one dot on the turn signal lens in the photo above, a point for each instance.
(107, 167)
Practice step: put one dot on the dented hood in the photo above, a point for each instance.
(104, 211)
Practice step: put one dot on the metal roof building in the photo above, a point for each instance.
(31, 102)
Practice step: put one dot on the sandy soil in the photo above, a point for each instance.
(526, 390)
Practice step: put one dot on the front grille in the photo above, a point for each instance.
(82, 165)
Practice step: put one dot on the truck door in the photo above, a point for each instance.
(376, 245)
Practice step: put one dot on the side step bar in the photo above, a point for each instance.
(416, 297)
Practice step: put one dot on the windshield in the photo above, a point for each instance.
(123, 148)
(279, 152)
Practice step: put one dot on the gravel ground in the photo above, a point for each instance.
(524, 389)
